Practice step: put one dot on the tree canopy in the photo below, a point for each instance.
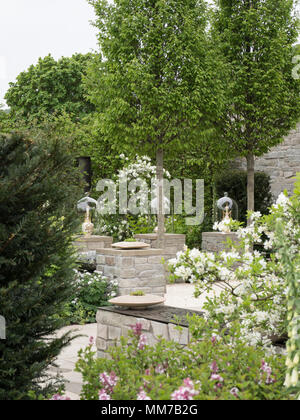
(155, 82)
(50, 87)
(257, 38)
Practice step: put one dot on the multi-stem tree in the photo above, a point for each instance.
(257, 38)
(155, 84)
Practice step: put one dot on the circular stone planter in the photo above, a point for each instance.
(133, 302)
(130, 245)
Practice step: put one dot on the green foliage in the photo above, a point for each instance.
(5, 122)
(50, 87)
(87, 140)
(156, 84)
(92, 291)
(160, 370)
(257, 41)
(38, 188)
(288, 248)
(137, 293)
(235, 184)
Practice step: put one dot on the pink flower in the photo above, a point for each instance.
(91, 340)
(160, 369)
(215, 377)
(142, 396)
(137, 329)
(103, 395)
(186, 392)
(219, 379)
(213, 339)
(58, 397)
(109, 381)
(235, 392)
(142, 342)
(265, 368)
(214, 367)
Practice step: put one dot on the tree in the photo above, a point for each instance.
(5, 120)
(155, 84)
(38, 191)
(50, 87)
(257, 38)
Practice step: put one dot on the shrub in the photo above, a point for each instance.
(204, 370)
(122, 226)
(287, 241)
(38, 189)
(92, 291)
(235, 184)
(254, 287)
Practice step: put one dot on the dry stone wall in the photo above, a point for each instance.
(281, 163)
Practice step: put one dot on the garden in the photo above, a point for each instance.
(179, 91)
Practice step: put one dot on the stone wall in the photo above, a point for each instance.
(92, 243)
(216, 241)
(281, 163)
(113, 324)
(134, 269)
(173, 244)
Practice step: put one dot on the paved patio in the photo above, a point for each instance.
(178, 295)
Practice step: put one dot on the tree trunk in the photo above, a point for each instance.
(160, 197)
(250, 183)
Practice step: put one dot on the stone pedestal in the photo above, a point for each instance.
(174, 243)
(134, 270)
(216, 241)
(157, 322)
(92, 243)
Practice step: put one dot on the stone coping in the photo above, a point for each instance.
(154, 235)
(93, 238)
(164, 314)
(131, 252)
(218, 234)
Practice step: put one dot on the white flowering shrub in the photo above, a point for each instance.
(227, 225)
(287, 240)
(253, 288)
(124, 226)
(92, 291)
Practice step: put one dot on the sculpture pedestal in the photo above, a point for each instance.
(216, 241)
(135, 269)
(92, 243)
(174, 243)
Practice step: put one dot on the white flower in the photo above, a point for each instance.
(195, 253)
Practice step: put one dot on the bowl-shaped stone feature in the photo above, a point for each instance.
(133, 302)
(130, 245)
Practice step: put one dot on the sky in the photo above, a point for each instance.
(30, 29)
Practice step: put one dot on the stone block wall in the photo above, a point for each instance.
(216, 241)
(92, 243)
(173, 244)
(134, 270)
(281, 163)
(111, 326)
